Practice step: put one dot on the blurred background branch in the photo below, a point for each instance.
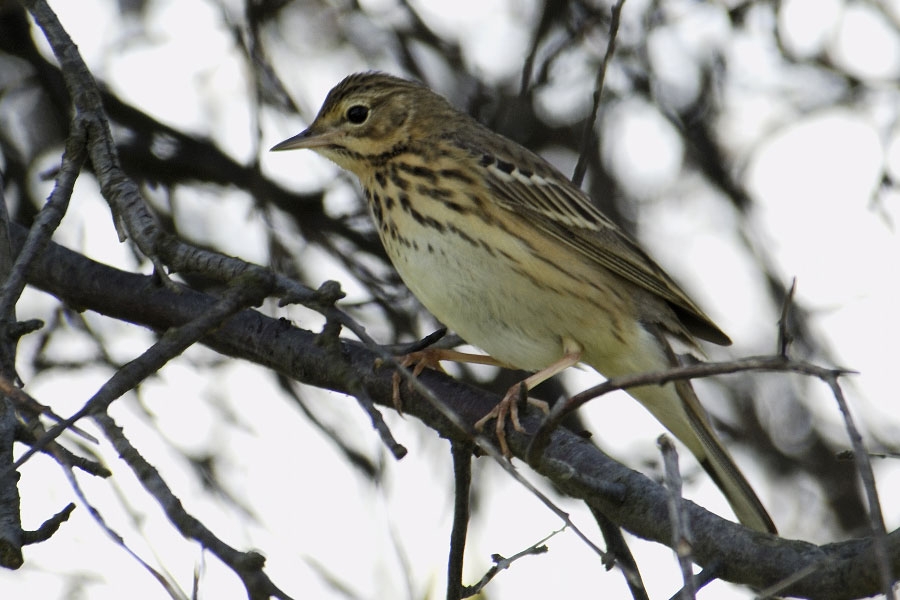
(695, 149)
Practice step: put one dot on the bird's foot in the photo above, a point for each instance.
(509, 407)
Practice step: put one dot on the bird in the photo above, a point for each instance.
(506, 251)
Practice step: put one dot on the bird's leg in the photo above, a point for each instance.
(509, 405)
(431, 358)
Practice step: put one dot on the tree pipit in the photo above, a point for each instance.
(505, 250)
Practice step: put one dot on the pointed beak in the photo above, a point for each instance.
(307, 139)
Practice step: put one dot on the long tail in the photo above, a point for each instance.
(676, 406)
(716, 461)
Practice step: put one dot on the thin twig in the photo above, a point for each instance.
(462, 487)
(588, 136)
(798, 575)
(171, 588)
(131, 215)
(617, 548)
(30, 430)
(247, 565)
(48, 527)
(171, 344)
(26, 405)
(699, 581)
(48, 219)
(864, 466)
(501, 563)
(682, 540)
(10, 502)
(753, 363)
(329, 293)
(784, 334)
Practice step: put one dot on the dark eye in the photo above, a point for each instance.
(357, 114)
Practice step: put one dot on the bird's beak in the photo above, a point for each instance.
(307, 139)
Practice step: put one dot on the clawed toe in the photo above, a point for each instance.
(419, 361)
(509, 406)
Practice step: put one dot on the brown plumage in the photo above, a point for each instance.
(502, 248)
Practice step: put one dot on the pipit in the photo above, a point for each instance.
(505, 250)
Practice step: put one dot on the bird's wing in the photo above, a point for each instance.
(563, 211)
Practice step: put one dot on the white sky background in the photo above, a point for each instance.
(813, 174)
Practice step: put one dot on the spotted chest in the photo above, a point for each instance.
(472, 271)
(429, 226)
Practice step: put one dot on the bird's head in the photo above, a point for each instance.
(367, 116)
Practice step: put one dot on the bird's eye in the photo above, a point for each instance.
(357, 114)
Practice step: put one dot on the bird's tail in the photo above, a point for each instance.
(676, 406)
(716, 461)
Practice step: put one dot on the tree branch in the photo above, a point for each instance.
(841, 570)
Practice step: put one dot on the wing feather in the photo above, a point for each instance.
(564, 212)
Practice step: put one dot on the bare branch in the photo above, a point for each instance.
(244, 292)
(167, 584)
(462, 488)
(575, 465)
(864, 467)
(753, 363)
(501, 563)
(681, 527)
(588, 135)
(10, 520)
(247, 565)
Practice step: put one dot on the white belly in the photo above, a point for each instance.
(486, 307)
(498, 304)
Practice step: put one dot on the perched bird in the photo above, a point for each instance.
(505, 250)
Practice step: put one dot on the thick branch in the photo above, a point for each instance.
(841, 570)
